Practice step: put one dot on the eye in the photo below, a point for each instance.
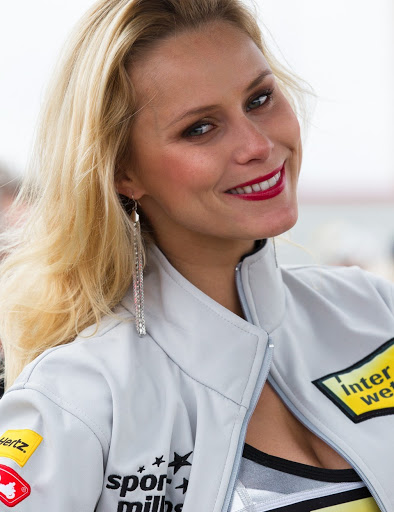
(259, 100)
(198, 130)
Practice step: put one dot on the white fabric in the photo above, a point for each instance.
(129, 422)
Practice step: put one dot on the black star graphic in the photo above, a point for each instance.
(159, 460)
(183, 486)
(180, 461)
(141, 469)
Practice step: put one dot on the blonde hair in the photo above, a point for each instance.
(70, 262)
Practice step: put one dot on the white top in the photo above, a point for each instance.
(268, 483)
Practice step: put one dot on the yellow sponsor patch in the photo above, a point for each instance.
(365, 389)
(19, 445)
(364, 505)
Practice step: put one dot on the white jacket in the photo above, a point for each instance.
(118, 423)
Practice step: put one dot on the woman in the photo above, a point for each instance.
(175, 111)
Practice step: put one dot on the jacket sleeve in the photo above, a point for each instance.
(50, 459)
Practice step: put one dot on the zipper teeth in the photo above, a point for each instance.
(328, 441)
(255, 397)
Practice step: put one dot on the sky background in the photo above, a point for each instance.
(343, 49)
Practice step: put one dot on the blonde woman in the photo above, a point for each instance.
(214, 380)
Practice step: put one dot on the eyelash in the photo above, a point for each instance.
(268, 93)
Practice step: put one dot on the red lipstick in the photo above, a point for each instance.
(263, 194)
(261, 178)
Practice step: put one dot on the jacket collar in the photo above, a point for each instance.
(208, 342)
(263, 287)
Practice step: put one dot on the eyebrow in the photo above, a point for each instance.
(206, 108)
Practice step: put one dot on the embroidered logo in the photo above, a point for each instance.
(365, 389)
(19, 445)
(147, 491)
(13, 489)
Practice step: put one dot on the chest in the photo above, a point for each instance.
(274, 430)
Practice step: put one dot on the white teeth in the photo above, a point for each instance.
(257, 187)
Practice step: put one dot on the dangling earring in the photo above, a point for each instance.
(138, 272)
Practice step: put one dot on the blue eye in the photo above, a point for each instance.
(259, 101)
(198, 130)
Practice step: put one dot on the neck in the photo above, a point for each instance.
(210, 267)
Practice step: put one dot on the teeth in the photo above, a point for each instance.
(257, 187)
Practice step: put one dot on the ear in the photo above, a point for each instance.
(129, 186)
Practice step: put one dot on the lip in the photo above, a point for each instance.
(263, 194)
(261, 178)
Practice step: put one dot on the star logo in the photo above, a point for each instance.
(159, 460)
(183, 486)
(180, 461)
(141, 469)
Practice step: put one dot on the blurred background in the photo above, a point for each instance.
(344, 50)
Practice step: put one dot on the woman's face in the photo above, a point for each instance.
(212, 123)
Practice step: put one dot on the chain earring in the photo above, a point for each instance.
(138, 272)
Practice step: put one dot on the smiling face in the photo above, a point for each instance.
(216, 146)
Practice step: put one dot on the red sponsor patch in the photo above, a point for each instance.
(13, 489)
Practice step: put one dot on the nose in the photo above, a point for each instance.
(251, 142)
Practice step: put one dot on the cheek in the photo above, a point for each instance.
(187, 168)
(289, 128)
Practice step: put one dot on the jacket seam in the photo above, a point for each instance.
(77, 340)
(41, 389)
(254, 359)
(294, 268)
(220, 316)
(225, 464)
(205, 305)
(120, 321)
(28, 385)
(280, 320)
(194, 379)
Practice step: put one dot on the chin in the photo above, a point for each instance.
(283, 221)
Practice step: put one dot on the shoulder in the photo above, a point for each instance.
(94, 346)
(343, 283)
(80, 377)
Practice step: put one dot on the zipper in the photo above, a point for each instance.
(262, 377)
(310, 426)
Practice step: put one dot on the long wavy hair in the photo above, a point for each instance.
(70, 260)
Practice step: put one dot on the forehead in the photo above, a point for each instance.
(196, 66)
